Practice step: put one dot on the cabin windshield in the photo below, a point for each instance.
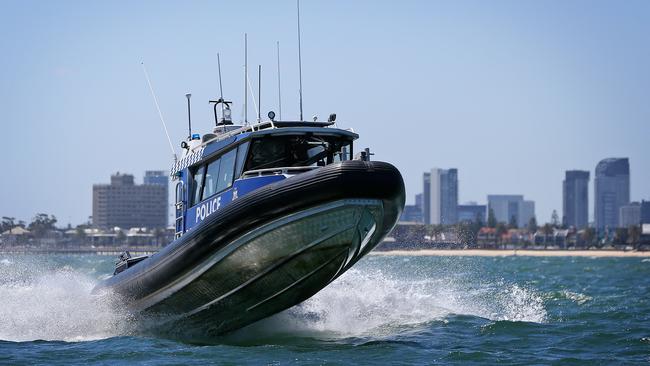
(297, 151)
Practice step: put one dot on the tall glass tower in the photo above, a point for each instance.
(575, 199)
(443, 196)
(426, 192)
(612, 191)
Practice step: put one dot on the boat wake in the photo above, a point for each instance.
(39, 302)
(42, 302)
(371, 303)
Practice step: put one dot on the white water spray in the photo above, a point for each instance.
(370, 303)
(39, 303)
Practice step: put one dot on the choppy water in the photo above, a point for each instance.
(388, 310)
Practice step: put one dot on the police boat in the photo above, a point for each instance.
(267, 215)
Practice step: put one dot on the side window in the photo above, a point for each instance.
(242, 151)
(197, 181)
(211, 178)
(227, 170)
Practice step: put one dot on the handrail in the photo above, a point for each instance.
(263, 125)
(179, 223)
(241, 130)
(278, 170)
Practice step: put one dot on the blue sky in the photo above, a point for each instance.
(512, 93)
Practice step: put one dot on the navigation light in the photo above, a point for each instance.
(227, 115)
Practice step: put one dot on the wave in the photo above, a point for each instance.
(39, 302)
(371, 303)
(576, 297)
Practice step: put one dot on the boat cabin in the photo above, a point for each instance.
(219, 168)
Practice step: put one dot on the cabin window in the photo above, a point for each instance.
(211, 178)
(218, 175)
(297, 151)
(227, 170)
(197, 182)
(241, 159)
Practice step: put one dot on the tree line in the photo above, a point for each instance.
(40, 225)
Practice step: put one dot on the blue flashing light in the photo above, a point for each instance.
(196, 136)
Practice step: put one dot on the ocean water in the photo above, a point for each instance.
(387, 310)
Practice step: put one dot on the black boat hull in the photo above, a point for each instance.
(268, 251)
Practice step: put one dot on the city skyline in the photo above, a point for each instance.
(611, 190)
(512, 95)
(575, 179)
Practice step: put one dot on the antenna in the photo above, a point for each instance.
(220, 86)
(279, 93)
(246, 79)
(189, 116)
(155, 100)
(299, 58)
(250, 89)
(259, 93)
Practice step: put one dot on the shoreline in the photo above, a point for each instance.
(513, 252)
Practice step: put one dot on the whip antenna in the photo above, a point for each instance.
(279, 93)
(220, 86)
(250, 88)
(155, 100)
(259, 93)
(189, 116)
(299, 59)
(246, 82)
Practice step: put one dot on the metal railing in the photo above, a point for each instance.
(289, 170)
(179, 204)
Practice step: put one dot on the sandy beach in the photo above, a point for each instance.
(511, 252)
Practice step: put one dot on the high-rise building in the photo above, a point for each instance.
(125, 204)
(449, 196)
(426, 197)
(630, 214)
(575, 199)
(645, 212)
(612, 191)
(471, 212)
(443, 196)
(419, 202)
(507, 208)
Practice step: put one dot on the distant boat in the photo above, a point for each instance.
(266, 216)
